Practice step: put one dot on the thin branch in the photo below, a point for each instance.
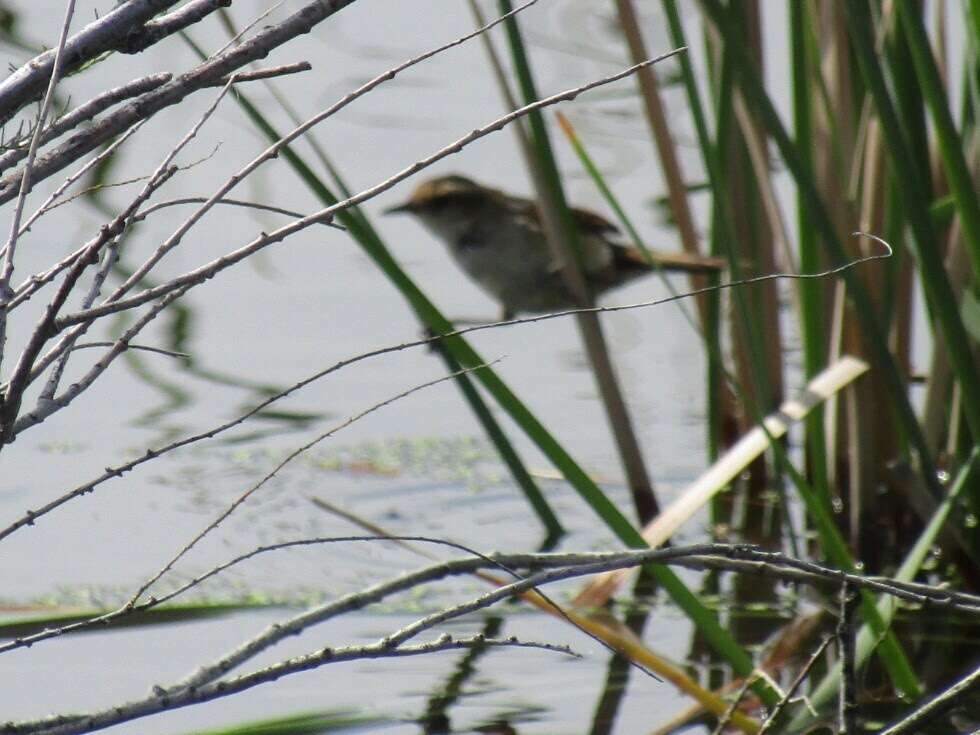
(143, 214)
(49, 203)
(108, 618)
(44, 409)
(797, 571)
(234, 505)
(166, 702)
(175, 91)
(248, 26)
(142, 348)
(110, 255)
(942, 702)
(548, 568)
(268, 73)
(209, 270)
(800, 677)
(19, 379)
(26, 84)
(734, 558)
(7, 268)
(273, 150)
(374, 593)
(87, 111)
(27, 371)
(726, 718)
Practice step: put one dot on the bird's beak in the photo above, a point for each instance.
(401, 208)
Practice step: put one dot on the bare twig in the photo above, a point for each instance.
(275, 633)
(87, 111)
(14, 389)
(144, 213)
(849, 602)
(26, 84)
(273, 150)
(49, 203)
(726, 718)
(800, 677)
(942, 702)
(106, 619)
(142, 348)
(110, 255)
(61, 351)
(43, 409)
(7, 267)
(175, 91)
(740, 559)
(234, 505)
(268, 73)
(248, 26)
(553, 567)
(798, 571)
(166, 702)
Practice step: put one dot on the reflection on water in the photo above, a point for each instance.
(173, 380)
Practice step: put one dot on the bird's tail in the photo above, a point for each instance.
(632, 260)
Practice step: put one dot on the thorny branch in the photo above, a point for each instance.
(86, 112)
(174, 91)
(26, 84)
(26, 370)
(163, 702)
(9, 249)
(209, 681)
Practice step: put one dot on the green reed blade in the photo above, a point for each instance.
(751, 85)
(758, 98)
(951, 145)
(703, 618)
(554, 209)
(812, 306)
(916, 202)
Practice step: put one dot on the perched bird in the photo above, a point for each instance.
(497, 239)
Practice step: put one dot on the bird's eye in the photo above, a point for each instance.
(438, 205)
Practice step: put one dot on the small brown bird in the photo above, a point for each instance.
(497, 239)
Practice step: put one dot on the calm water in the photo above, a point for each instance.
(419, 466)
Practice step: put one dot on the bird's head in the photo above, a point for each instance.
(446, 205)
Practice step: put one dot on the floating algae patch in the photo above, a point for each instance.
(452, 460)
(461, 460)
(207, 478)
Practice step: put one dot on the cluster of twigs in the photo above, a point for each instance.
(79, 299)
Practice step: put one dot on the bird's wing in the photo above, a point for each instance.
(524, 209)
(591, 223)
(588, 223)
